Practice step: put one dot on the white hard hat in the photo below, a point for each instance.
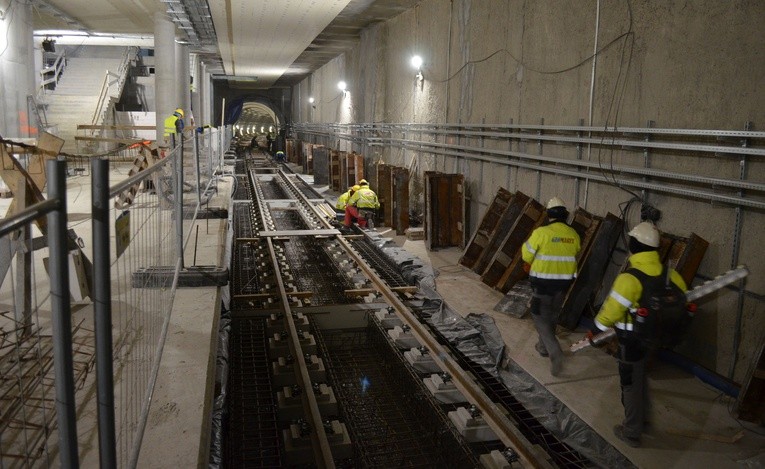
(556, 202)
(646, 233)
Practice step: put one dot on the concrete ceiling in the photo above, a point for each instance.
(256, 43)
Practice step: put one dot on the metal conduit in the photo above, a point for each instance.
(477, 154)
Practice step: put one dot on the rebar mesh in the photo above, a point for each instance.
(380, 263)
(313, 270)
(252, 428)
(392, 422)
(272, 190)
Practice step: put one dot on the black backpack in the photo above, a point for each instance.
(661, 318)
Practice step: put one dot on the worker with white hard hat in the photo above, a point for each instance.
(550, 259)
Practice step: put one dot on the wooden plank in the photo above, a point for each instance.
(690, 260)
(489, 222)
(334, 169)
(500, 232)
(319, 155)
(511, 242)
(400, 190)
(592, 267)
(533, 217)
(115, 127)
(384, 192)
(444, 210)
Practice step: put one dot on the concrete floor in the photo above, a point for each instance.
(688, 415)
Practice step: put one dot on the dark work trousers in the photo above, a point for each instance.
(632, 358)
(545, 308)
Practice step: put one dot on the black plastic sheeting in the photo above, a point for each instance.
(478, 338)
(221, 361)
(218, 421)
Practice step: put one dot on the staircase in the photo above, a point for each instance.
(92, 77)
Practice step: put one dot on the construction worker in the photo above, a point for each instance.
(361, 205)
(342, 201)
(550, 259)
(174, 125)
(281, 157)
(624, 295)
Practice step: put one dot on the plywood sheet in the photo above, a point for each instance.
(486, 228)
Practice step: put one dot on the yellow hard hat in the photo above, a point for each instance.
(356, 187)
(646, 233)
(179, 111)
(363, 182)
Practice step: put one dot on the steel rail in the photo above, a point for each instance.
(494, 416)
(321, 448)
(505, 430)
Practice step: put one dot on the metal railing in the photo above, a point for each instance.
(40, 362)
(111, 90)
(54, 71)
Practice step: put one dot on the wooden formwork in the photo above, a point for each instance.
(308, 149)
(503, 261)
(509, 217)
(400, 191)
(351, 170)
(751, 401)
(486, 229)
(291, 150)
(320, 164)
(335, 175)
(598, 242)
(384, 191)
(444, 210)
(683, 254)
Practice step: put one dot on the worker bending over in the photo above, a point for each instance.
(550, 257)
(342, 200)
(361, 205)
(174, 125)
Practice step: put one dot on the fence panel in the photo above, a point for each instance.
(144, 271)
(43, 355)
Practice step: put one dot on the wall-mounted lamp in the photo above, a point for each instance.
(342, 86)
(311, 100)
(417, 65)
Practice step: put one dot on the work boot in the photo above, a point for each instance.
(541, 350)
(556, 366)
(631, 442)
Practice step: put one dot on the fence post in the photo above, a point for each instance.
(102, 314)
(179, 198)
(196, 160)
(61, 318)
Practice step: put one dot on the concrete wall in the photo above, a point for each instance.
(695, 65)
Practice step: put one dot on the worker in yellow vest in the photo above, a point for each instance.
(361, 206)
(174, 125)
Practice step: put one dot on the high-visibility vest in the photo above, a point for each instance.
(170, 125)
(364, 198)
(551, 250)
(342, 201)
(627, 290)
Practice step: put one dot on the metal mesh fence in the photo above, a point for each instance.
(144, 266)
(35, 321)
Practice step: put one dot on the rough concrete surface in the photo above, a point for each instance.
(686, 64)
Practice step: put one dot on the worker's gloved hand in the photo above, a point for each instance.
(526, 267)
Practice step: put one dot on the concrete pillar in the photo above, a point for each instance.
(200, 80)
(165, 78)
(183, 68)
(16, 70)
(196, 67)
(208, 99)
